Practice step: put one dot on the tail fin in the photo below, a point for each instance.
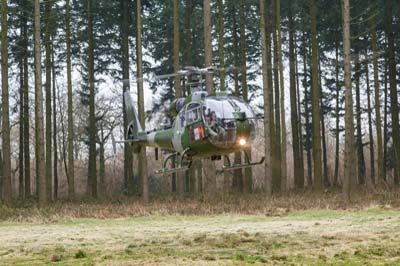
(134, 126)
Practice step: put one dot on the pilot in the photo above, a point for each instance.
(216, 125)
(213, 122)
(195, 115)
(210, 122)
(207, 116)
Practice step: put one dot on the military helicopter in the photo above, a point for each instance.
(204, 126)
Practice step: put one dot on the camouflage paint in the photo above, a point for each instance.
(178, 139)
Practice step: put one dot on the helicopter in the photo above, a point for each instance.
(204, 126)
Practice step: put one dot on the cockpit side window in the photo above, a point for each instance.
(193, 113)
(180, 122)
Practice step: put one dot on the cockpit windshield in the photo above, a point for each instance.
(219, 116)
(241, 106)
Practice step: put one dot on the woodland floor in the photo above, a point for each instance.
(368, 236)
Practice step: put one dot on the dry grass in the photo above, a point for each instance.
(257, 204)
(299, 228)
(327, 237)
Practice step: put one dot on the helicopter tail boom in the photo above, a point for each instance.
(134, 129)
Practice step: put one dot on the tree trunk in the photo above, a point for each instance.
(370, 131)
(177, 83)
(92, 174)
(248, 173)
(21, 182)
(63, 144)
(385, 124)
(55, 150)
(374, 41)
(102, 167)
(142, 153)
(47, 44)
(360, 147)
(1, 169)
(71, 163)
(26, 122)
(324, 151)
(39, 121)
(128, 156)
(221, 57)
(394, 103)
(199, 169)
(193, 176)
(350, 156)
(337, 132)
(188, 32)
(300, 124)
(274, 155)
(277, 178)
(282, 99)
(221, 54)
(21, 155)
(1, 160)
(323, 134)
(316, 108)
(180, 177)
(7, 185)
(208, 44)
(267, 132)
(209, 165)
(307, 117)
(297, 171)
(237, 181)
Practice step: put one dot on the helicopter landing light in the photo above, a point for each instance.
(242, 142)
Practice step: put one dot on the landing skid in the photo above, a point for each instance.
(226, 168)
(232, 167)
(183, 166)
(166, 171)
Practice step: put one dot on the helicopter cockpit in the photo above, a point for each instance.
(223, 117)
(219, 115)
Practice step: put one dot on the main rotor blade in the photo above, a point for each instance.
(159, 77)
(186, 71)
(180, 73)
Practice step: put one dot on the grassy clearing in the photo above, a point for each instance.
(293, 229)
(313, 237)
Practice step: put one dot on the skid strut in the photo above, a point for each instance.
(181, 167)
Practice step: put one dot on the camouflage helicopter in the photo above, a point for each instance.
(204, 126)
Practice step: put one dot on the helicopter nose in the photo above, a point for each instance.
(243, 133)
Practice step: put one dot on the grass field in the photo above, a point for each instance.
(316, 237)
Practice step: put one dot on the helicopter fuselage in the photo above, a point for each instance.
(206, 126)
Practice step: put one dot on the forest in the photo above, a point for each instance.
(324, 79)
(320, 76)
(65, 66)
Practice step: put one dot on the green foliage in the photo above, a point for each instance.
(249, 258)
(80, 254)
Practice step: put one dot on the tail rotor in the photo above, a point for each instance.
(134, 127)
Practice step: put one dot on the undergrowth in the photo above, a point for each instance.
(256, 204)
